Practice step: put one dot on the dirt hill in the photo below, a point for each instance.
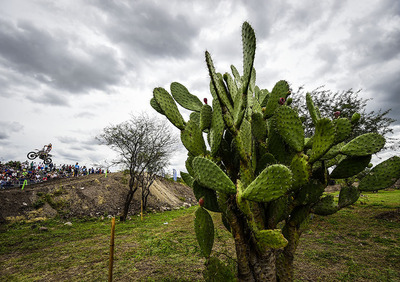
(92, 195)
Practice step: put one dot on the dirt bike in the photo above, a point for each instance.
(46, 157)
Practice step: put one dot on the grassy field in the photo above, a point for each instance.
(355, 244)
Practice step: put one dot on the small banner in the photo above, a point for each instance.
(174, 171)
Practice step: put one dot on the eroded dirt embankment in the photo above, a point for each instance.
(92, 195)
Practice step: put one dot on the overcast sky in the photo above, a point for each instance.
(70, 68)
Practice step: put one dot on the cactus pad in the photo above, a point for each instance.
(204, 228)
(188, 164)
(245, 134)
(183, 97)
(277, 147)
(205, 117)
(217, 83)
(333, 152)
(350, 166)
(271, 238)
(323, 138)
(249, 50)
(355, 118)
(210, 175)
(217, 127)
(280, 90)
(272, 183)
(381, 176)
(289, 127)
(192, 139)
(187, 178)
(259, 127)
(169, 107)
(195, 116)
(209, 196)
(312, 109)
(348, 195)
(310, 193)
(343, 129)
(300, 169)
(265, 160)
(232, 88)
(366, 144)
(156, 106)
(326, 206)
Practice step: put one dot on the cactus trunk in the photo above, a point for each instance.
(252, 265)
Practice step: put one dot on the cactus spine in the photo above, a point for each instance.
(258, 170)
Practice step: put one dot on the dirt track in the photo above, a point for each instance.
(92, 195)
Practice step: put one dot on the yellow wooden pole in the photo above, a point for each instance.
(110, 269)
(141, 210)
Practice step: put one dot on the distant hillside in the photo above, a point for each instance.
(91, 195)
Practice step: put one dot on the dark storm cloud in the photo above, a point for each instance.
(61, 154)
(49, 99)
(148, 29)
(387, 94)
(375, 37)
(268, 16)
(3, 136)
(374, 49)
(6, 128)
(264, 14)
(58, 60)
(373, 46)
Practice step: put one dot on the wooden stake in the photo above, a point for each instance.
(110, 269)
(141, 209)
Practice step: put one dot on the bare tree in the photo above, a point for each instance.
(144, 146)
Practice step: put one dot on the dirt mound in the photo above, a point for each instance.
(92, 195)
(393, 216)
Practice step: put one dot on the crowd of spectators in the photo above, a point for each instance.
(14, 173)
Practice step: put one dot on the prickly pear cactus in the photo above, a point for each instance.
(255, 166)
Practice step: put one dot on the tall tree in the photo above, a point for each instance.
(344, 104)
(144, 146)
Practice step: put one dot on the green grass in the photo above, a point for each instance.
(351, 245)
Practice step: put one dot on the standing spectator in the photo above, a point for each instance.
(76, 170)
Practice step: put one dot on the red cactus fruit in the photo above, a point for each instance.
(205, 101)
(336, 114)
(282, 101)
(201, 202)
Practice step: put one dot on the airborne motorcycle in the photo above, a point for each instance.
(46, 157)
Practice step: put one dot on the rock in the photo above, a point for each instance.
(24, 204)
